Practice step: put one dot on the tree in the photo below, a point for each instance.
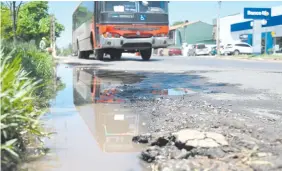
(6, 22)
(14, 10)
(34, 22)
(177, 23)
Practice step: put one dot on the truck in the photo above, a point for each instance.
(115, 27)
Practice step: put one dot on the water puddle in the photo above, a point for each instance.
(100, 86)
(93, 127)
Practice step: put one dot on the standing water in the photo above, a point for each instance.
(89, 134)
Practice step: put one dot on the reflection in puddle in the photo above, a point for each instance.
(93, 128)
(98, 86)
(95, 97)
(112, 126)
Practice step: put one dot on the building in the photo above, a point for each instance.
(235, 28)
(191, 33)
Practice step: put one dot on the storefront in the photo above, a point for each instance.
(234, 28)
(271, 34)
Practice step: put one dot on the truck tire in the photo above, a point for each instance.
(79, 54)
(83, 54)
(115, 55)
(146, 54)
(99, 54)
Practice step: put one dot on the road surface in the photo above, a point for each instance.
(106, 103)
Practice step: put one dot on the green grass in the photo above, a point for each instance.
(263, 56)
(276, 56)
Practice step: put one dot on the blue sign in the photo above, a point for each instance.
(257, 13)
(142, 17)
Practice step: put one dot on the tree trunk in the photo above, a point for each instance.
(14, 20)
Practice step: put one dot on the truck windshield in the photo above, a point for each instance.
(120, 6)
(153, 6)
(133, 6)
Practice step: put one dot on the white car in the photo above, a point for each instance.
(198, 49)
(238, 48)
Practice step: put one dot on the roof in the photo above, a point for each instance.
(186, 24)
(182, 25)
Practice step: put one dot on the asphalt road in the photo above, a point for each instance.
(233, 97)
(259, 75)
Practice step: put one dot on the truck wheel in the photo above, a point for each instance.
(79, 54)
(146, 54)
(115, 55)
(99, 54)
(86, 54)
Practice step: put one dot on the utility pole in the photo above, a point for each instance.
(52, 35)
(217, 28)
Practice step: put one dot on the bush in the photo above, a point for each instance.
(28, 82)
(39, 65)
(19, 114)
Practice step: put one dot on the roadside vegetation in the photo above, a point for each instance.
(257, 57)
(65, 51)
(28, 81)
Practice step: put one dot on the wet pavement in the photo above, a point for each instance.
(91, 124)
(88, 135)
(94, 123)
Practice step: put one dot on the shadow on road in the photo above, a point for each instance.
(136, 59)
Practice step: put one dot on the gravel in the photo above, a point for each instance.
(252, 143)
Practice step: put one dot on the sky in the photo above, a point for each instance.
(205, 11)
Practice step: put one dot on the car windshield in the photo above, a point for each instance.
(201, 46)
(153, 6)
(132, 6)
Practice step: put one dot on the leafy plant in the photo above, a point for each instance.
(39, 65)
(19, 114)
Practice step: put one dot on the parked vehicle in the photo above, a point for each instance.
(214, 50)
(238, 48)
(210, 48)
(174, 51)
(198, 49)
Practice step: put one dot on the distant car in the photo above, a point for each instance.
(238, 48)
(174, 51)
(210, 47)
(198, 49)
(214, 50)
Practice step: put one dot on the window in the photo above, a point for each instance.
(242, 45)
(83, 13)
(132, 6)
(120, 6)
(201, 46)
(153, 7)
(278, 45)
(171, 34)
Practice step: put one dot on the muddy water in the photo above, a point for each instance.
(93, 128)
(88, 135)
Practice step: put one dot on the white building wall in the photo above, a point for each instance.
(226, 22)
